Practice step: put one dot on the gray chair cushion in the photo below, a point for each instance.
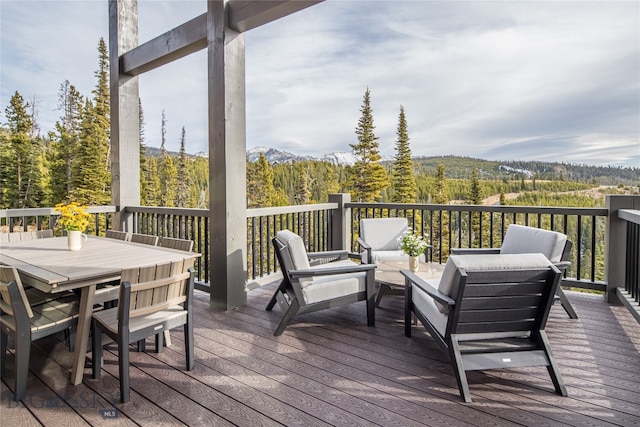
(296, 248)
(521, 239)
(486, 262)
(382, 234)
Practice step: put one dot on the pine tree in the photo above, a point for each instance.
(404, 188)
(167, 171)
(367, 177)
(302, 195)
(475, 198)
(92, 170)
(261, 192)
(441, 186)
(65, 143)
(23, 167)
(182, 196)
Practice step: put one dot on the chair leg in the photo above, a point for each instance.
(371, 310)
(23, 349)
(552, 368)
(381, 292)
(4, 338)
(70, 338)
(159, 342)
(141, 346)
(566, 304)
(288, 315)
(123, 366)
(281, 288)
(458, 367)
(188, 342)
(96, 350)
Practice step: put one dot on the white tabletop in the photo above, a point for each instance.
(50, 266)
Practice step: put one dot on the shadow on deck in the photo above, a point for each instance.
(329, 368)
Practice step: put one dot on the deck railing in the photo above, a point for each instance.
(468, 226)
(631, 294)
(335, 225)
(32, 219)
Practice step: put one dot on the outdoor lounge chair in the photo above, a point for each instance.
(488, 312)
(152, 300)
(305, 288)
(26, 322)
(379, 240)
(521, 239)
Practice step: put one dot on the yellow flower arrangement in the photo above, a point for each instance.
(73, 216)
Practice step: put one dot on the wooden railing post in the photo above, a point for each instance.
(615, 246)
(340, 233)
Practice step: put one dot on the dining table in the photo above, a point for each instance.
(48, 265)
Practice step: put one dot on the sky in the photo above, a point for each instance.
(543, 80)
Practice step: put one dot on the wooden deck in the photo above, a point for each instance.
(329, 368)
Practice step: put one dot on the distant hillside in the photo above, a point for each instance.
(462, 167)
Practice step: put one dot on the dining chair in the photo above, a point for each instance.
(27, 322)
(180, 244)
(146, 239)
(151, 300)
(116, 234)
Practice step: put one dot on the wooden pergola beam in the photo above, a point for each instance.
(176, 43)
(245, 15)
(191, 36)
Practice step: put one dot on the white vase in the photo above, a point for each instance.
(414, 263)
(75, 239)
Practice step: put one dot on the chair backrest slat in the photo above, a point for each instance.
(147, 239)
(116, 234)
(155, 288)
(179, 244)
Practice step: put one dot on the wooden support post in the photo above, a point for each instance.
(615, 244)
(125, 128)
(340, 223)
(227, 160)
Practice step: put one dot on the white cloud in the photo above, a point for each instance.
(553, 80)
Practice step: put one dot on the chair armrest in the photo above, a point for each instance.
(428, 289)
(339, 254)
(474, 251)
(345, 269)
(562, 265)
(364, 246)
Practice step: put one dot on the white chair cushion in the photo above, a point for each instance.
(427, 306)
(295, 246)
(521, 239)
(486, 262)
(320, 288)
(388, 256)
(382, 234)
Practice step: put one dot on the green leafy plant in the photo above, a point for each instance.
(412, 244)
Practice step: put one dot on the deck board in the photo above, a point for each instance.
(330, 369)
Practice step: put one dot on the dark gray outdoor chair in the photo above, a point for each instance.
(488, 312)
(307, 288)
(520, 239)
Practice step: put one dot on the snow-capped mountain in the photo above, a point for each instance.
(277, 156)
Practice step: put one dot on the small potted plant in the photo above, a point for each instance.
(75, 219)
(414, 246)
